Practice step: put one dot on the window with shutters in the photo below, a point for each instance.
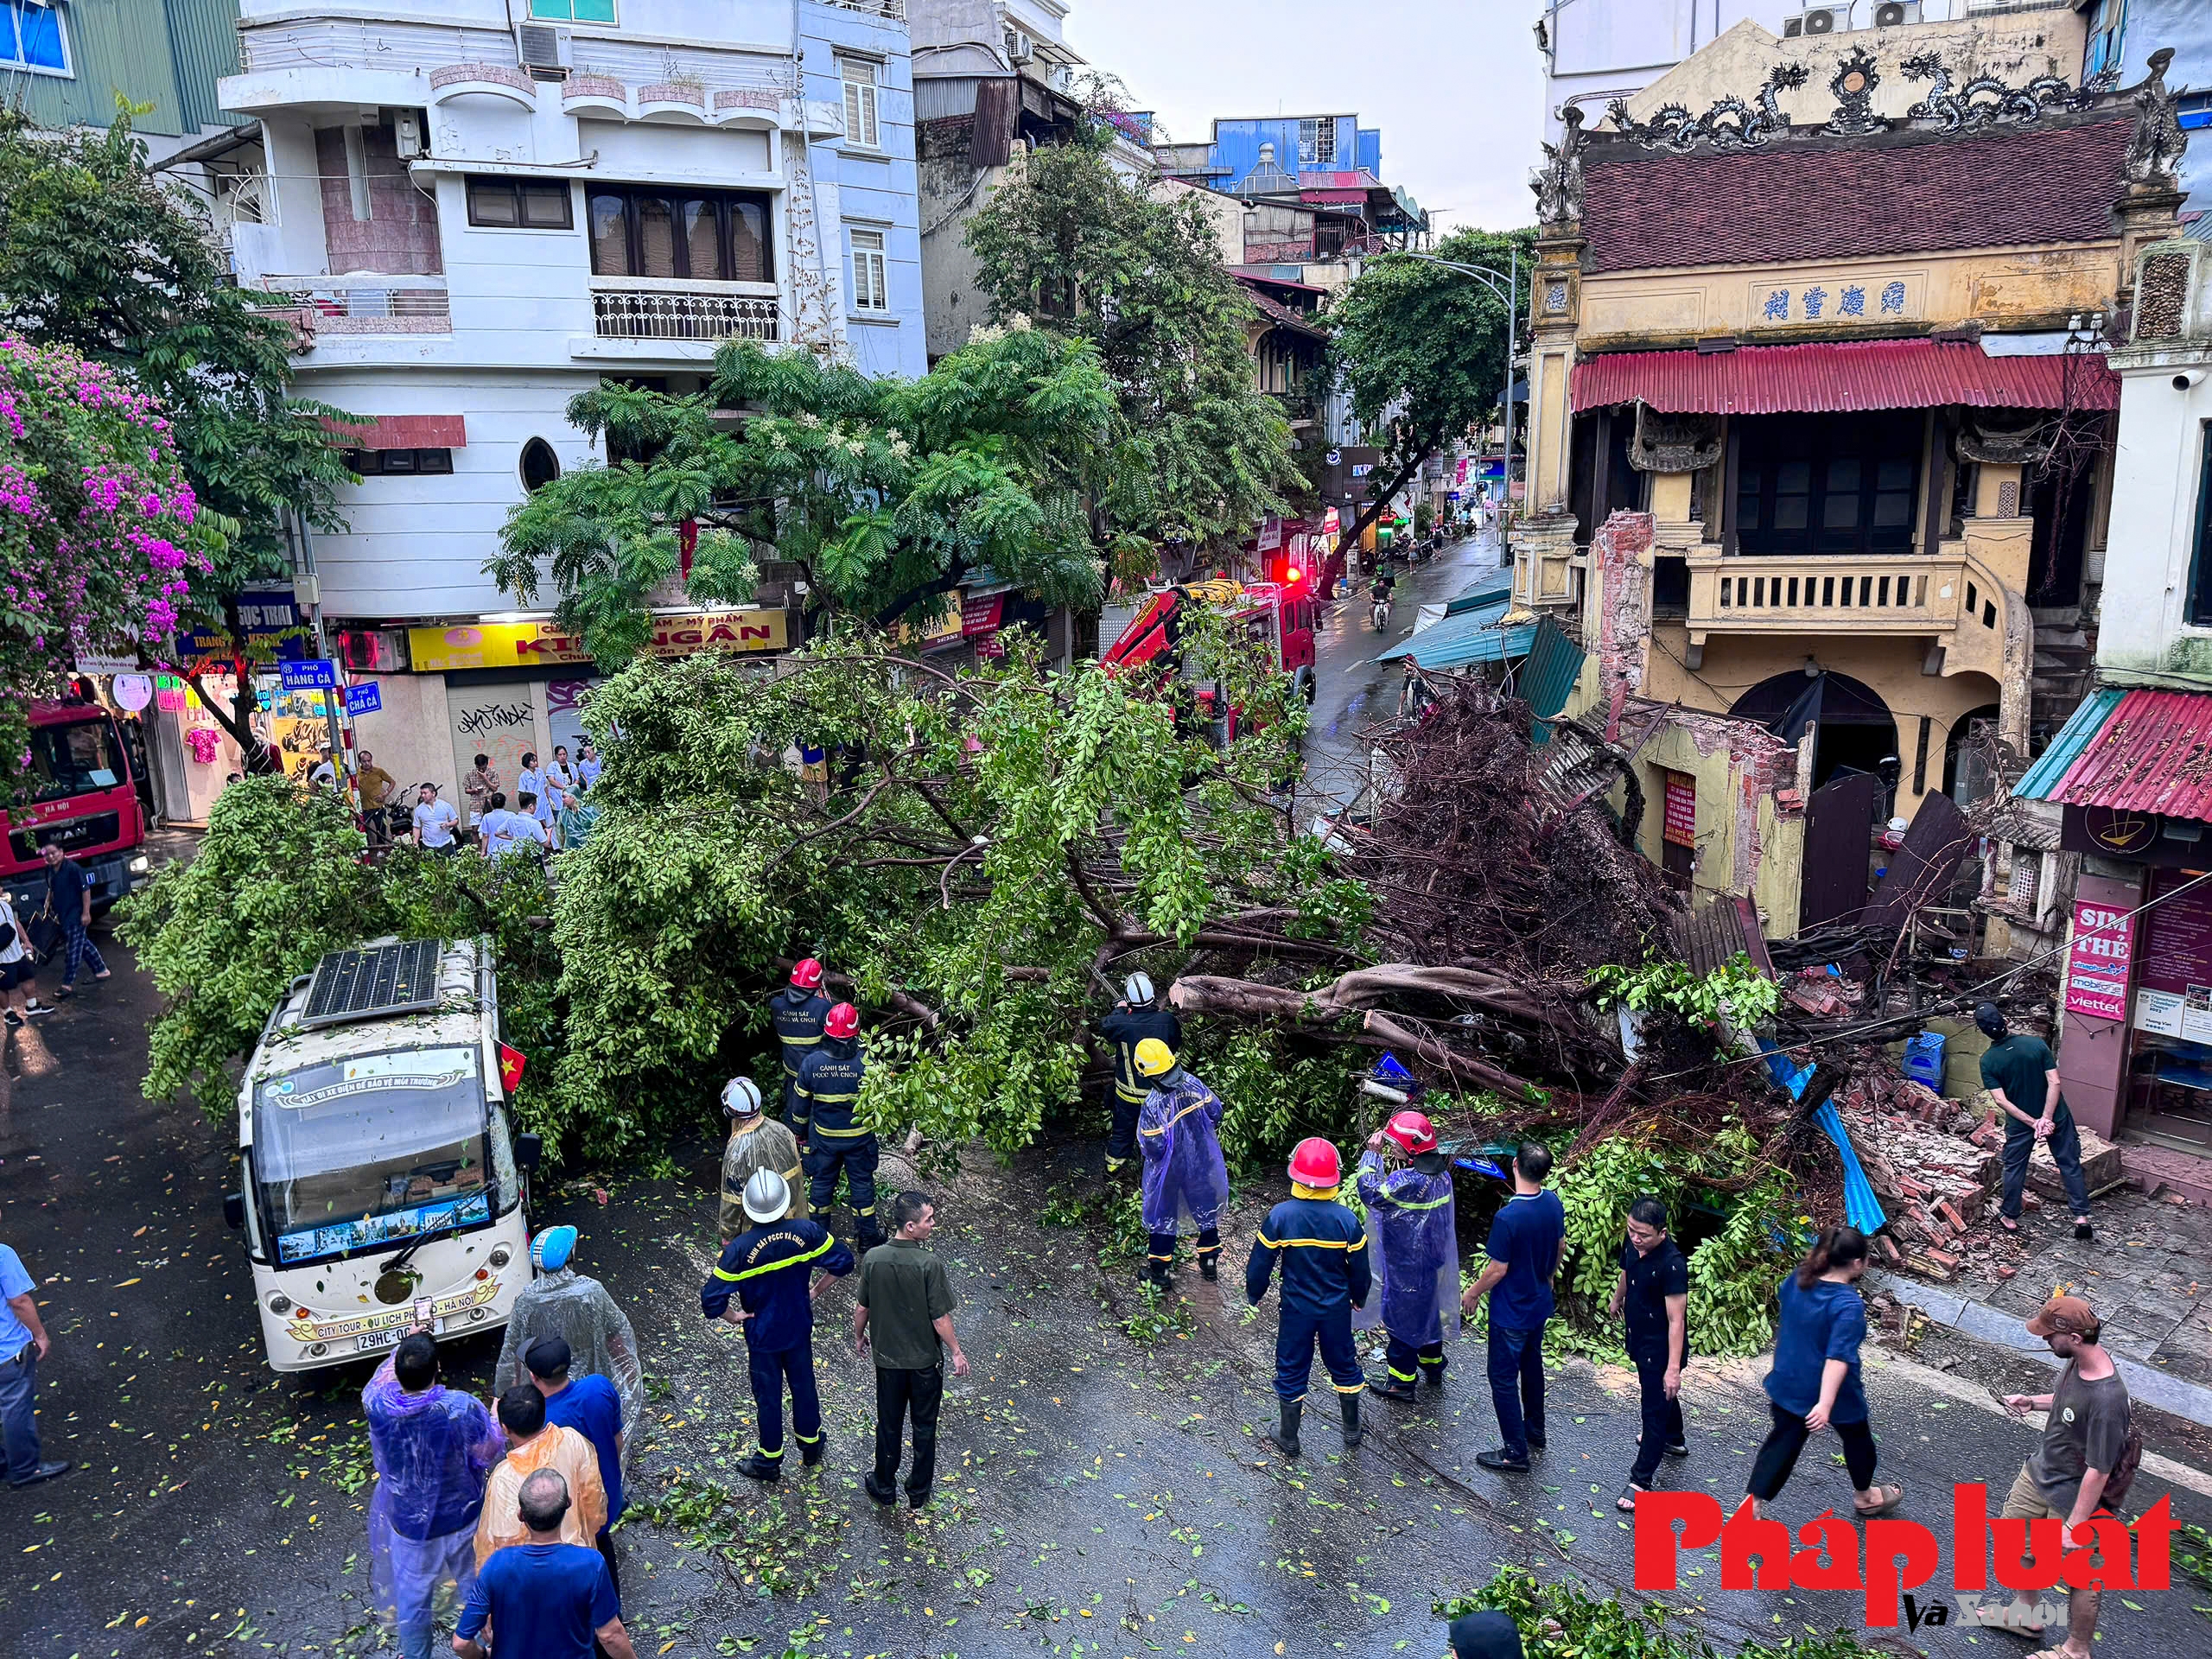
(695, 235)
(862, 129)
(871, 291)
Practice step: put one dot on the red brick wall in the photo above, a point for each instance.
(400, 236)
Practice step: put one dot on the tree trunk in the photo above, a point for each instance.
(1373, 510)
(238, 721)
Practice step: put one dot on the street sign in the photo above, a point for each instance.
(317, 674)
(365, 698)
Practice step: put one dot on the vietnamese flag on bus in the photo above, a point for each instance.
(511, 1064)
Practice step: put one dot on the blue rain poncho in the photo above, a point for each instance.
(432, 1452)
(1184, 1176)
(1410, 1218)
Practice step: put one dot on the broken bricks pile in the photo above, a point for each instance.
(1927, 1161)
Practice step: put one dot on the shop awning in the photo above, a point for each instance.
(404, 432)
(1842, 377)
(2140, 751)
(1460, 641)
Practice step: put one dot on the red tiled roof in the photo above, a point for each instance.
(2153, 753)
(1853, 199)
(1276, 312)
(1839, 376)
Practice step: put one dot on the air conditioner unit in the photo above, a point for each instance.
(407, 133)
(1817, 20)
(1019, 48)
(548, 53)
(1892, 14)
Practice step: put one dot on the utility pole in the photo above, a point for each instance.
(1511, 296)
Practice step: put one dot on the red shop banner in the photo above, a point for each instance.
(2098, 960)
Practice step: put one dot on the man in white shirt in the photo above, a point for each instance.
(434, 820)
(18, 968)
(505, 832)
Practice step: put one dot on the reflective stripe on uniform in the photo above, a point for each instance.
(1317, 1243)
(824, 1132)
(1389, 1202)
(1397, 1375)
(758, 1452)
(823, 1249)
(820, 1099)
(1195, 1106)
(1350, 1388)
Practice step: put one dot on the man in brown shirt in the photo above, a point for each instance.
(905, 1301)
(377, 786)
(2083, 1440)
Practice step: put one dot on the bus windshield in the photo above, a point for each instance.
(370, 1150)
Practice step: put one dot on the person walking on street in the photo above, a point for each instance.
(827, 1121)
(544, 1597)
(375, 785)
(2087, 1461)
(1185, 1177)
(756, 1142)
(766, 1269)
(1325, 1275)
(574, 1307)
(1135, 1017)
(432, 1447)
(1814, 1383)
(797, 1012)
(1417, 1250)
(590, 1405)
(903, 1309)
(23, 1342)
(534, 1444)
(18, 969)
(69, 900)
(1653, 1290)
(2022, 1077)
(434, 821)
(1528, 1241)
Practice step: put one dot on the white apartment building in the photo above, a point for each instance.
(483, 207)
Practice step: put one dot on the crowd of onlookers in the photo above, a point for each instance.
(549, 812)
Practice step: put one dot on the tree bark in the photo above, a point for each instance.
(237, 722)
(1373, 510)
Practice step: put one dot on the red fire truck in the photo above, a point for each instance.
(78, 789)
(1282, 615)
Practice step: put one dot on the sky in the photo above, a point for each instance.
(1455, 86)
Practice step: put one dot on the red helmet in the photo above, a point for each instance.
(1412, 1130)
(841, 1022)
(806, 974)
(1313, 1162)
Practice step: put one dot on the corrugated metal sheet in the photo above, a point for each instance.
(1488, 590)
(204, 47)
(1464, 640)
(1547, 677)
(2059, 756)
(1842, 376)
(2151, 753)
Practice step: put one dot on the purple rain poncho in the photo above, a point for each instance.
(433, 1451)
(1184, 1175)
(1412, 1224)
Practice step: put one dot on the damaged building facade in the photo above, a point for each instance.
(1819, 441)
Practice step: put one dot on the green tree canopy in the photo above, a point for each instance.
(1422, 351)
(887, 491)
(1199, 453)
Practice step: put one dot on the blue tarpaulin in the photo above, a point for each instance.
(1860, 1207)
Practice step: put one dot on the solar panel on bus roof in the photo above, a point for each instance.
(377, 979)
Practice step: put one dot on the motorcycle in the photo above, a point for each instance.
(1379, 613)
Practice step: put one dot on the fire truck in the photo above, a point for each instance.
(1282, 616)
(78, 789)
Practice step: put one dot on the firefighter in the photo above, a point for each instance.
(825, 1112)
(797, 1011)
(765, 1269)
(1135, 1017)
(1417, 1251)
(1325, 1277)
(1185, 1177)
(756, 1142)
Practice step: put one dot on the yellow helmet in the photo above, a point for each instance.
(1154, 1057)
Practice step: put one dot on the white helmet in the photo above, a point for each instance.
(1137, 990)
(741, 1097)
(768, 1196)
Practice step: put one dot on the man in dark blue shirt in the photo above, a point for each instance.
(590, 1405)
(1323, 1249)
(543, 1599)
(1527, 1242)
(797, 1012)
(1653, 1291)
(69, 900)
(767, 1268)
(1135, 1017)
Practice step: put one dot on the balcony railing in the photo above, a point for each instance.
(1908, 594)
(655, 312)
(366, 304)
(894, 11)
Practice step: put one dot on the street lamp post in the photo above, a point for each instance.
(1512, 298)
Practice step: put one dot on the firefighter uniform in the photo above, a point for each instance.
(825, 1106)
(1412, 1212)
(1125, 1028)
(769, 1269)
(798, 1014)
(1323, 1251)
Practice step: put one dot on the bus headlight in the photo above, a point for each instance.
(501, 1257)
(279, 1303)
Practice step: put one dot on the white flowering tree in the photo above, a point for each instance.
(888, 492)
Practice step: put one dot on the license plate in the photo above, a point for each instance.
(370, 1340)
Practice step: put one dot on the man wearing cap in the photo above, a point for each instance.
(1135, 1017)
(2022, 1077)
(1417, 1246)
(833, 1138)
(756, 1142)
(1323, 1249)
(767, 1268)
(590, 1405)
(2085, 1441)
(797, 1012)
(1185, 1177)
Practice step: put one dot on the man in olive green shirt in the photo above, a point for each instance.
(905, 1303)
(2022, 1077)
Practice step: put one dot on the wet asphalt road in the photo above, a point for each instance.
(1096, 1497)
